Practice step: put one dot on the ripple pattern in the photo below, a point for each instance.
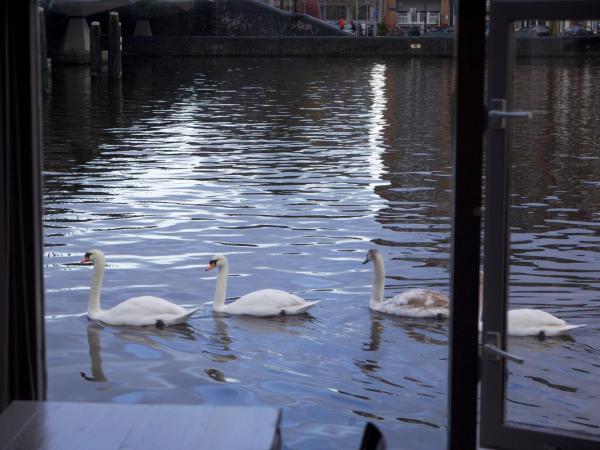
(294, 168)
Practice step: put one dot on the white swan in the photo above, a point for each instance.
(533, 322)
(527, 321)
(137, 311)
(412, 303)
(263, 303)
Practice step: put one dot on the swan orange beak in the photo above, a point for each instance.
(86, 260)
(211, 265)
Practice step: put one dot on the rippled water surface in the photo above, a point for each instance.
(555, 236)
(294, 168)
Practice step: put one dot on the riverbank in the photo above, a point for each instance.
(345, 46)
(286, 46)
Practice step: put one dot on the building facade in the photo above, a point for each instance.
(395, 13)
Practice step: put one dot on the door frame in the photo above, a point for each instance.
(469, 128)
(22, 354)
(495, 432)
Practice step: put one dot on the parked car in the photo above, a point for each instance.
(578, 30)
(541, 30)
(448, 31)
(537, 30)
(414, 31)
(397, 32)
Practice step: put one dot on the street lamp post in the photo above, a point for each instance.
(356, 17)
(375, 18)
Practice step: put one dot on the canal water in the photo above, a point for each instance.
(294, 168)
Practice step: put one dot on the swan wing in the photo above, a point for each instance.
(268, 302)
(519, 317)
(415, 303)
(145, 310)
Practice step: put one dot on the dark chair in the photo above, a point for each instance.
(372, 438)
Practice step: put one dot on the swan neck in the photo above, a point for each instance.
(221, 289)
(378, 280)
(97, 277)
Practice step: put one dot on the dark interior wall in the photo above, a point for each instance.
(22, 369)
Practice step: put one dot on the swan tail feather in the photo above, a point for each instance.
(550, 331)
(299, 309)
(572, 327)
(545, 331)
(186, 316)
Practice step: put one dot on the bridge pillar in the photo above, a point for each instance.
(75, 46)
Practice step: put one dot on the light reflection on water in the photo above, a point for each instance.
(293, 169)
(555, 237)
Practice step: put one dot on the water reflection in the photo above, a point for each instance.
(216, 375)
(377, 122)
(554, 243)
(425, 331)
(220, 335)
(297, 167)
(219, 346)
(376, 331)
(93, 337)
(294, 325)
(142, 338)
(156, 337)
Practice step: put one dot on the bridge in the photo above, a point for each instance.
(68, 21)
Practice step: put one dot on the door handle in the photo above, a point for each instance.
(492, 346)
(498, 114)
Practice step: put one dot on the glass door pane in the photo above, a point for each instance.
(542, 227)
(554, 228)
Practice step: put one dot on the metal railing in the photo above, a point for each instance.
(418, 18)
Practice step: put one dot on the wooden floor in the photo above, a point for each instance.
(106, 426)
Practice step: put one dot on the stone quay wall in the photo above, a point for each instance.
(344, 46)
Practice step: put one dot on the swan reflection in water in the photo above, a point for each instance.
(93, 337)
(143, 336)
(419, 330)
(219, 350)
(219, 341)
(241, 329)
(152, 336)
(425, 331)
(372, 345)
(293, 325)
